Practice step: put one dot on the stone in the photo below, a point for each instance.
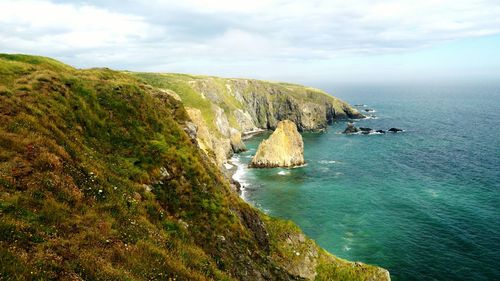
(350, 129)
(244, 120)
(395, 130)
(236, 142)
(284, 148)
(221, 121)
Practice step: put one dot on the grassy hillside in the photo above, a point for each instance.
(235, 94)
(100, 181)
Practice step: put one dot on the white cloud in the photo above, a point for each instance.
(198, 33)
(42, 25)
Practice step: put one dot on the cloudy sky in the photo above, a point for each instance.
(307, 41)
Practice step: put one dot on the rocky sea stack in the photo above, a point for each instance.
(284, 148)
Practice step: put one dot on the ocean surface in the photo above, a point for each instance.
(424, 203)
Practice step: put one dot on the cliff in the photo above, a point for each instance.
(284, 148)
(102, 178)
(245, 105)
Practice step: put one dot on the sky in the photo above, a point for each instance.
(309, 41)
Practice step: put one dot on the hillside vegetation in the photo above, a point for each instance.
(101, 180)
(228, 108)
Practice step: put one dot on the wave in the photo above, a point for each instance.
(283, 173)
(327, 161)
(240, 174)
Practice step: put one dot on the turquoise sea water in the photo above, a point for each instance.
(425, 203)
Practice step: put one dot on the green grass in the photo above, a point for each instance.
(99, 181)
(77, 148)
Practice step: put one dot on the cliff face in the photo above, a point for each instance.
(268, 103)
(243, 105)
(284, 148)
(103, 177)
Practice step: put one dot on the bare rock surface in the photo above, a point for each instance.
(284, 148)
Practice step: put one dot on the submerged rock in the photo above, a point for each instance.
(351, 129)
(395, 130)
(284, 148)
(380, 131)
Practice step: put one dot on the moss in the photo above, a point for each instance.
(332, 268)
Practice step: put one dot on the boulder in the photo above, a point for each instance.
(365, 129)
(351, 129)
(395, 130)
(380, 131)
(236, 142)
(284, 148)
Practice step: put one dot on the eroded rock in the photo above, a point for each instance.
(284, 148)
(351, 129)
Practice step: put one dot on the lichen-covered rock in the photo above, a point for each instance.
(284, 148)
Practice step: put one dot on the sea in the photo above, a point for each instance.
(423, 203)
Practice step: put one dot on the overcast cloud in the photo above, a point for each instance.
(237, 38)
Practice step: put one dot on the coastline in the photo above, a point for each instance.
(236, 175)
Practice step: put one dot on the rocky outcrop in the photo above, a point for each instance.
(245, 121)
(351, 129)
(207, 141)
(236, 142)
(310, 109)
(394, 130)
(284, 148)
(245, 105)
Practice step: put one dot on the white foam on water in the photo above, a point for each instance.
(327, 161)
(240, 174)
(433, 193)
(283, 173)
(346, 248)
